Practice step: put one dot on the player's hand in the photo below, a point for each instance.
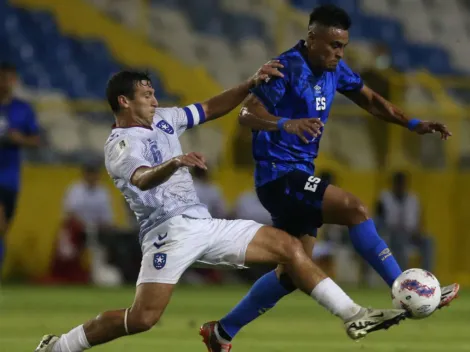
(15, 137)
(425, 127)
(192, 159)
(268, 70)
(304, 128)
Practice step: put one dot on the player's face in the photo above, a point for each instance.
(143, 106)
(326, 46)
(91, 178)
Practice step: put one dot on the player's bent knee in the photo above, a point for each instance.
(357, 211)
(291, 248)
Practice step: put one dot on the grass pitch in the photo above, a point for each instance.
(296, 323)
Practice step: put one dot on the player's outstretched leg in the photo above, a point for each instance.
(273, 245)
(343, 208)
(150, 301)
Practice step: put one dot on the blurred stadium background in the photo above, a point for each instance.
(414, 52)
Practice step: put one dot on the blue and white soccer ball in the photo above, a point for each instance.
(418, 291)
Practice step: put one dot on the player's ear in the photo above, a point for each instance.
(310, 39)
(123, 101)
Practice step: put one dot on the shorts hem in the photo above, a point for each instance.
(156, 281)
(256, 228)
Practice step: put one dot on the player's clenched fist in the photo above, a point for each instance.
(304, 128)
(192, 159)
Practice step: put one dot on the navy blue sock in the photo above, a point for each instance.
(263, 295)
(374, 250)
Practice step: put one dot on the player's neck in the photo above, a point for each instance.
(314, 67)
(128, 122)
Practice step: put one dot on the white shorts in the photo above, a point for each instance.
(172, 247)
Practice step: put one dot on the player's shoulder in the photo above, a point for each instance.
(121, 140)
(18, 103)
(290, 58)
(385, 195)
(167, 113)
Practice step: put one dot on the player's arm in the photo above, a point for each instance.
(228, 100)
(23, 140)
(25, 132)
(255, 115)
(146, 177)
(381, 108)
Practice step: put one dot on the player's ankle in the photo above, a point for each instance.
(221, 334)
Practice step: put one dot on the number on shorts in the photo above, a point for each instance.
(312, 184)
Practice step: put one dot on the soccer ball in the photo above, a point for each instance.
(417, 291)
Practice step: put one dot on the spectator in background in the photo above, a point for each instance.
(18, 128)
(88, 218)
(399, 216)
(88, 201)
(248, 207)
(209, 194)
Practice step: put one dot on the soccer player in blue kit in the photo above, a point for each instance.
(287, 116)
(18, 128)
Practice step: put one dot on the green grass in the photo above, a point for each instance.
(297, 323)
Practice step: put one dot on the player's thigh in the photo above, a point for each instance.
(342, 208)
(169, 249)
(272, 245)
(229, 240)
(295, 202)
(150, 302)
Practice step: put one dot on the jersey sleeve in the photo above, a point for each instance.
(272, 91)
(186, 117)
(348, 80)
(27, 123)
(126, 155)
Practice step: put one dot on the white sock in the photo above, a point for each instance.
(73, 341)
(333, 298)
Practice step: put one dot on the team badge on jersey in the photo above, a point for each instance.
(165, 127)
(159, 260)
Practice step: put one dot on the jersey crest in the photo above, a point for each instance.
(159, 260)
(165, 127)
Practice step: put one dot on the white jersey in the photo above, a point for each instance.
(127, 149)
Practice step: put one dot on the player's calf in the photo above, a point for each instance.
(271, 245)
(150, 302)
(342, 208)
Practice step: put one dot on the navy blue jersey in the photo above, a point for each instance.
(19, 116)
(299, 94)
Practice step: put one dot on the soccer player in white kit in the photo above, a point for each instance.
(143, 156)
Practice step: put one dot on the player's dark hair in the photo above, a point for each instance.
(7, 67)
(123, 83)
(330, 16)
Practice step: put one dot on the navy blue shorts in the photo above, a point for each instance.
(8, 201)
(295, 202)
